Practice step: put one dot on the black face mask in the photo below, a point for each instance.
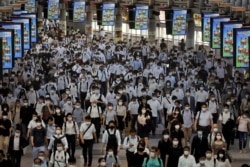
(140, 149)
(112, 127)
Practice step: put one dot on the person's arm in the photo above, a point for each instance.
(51, 142)
(32, 139)
(144, 163)
(124, 114)
(179, 162)
(104, 140)
(166, 160)
(118, 136)
(125, 143)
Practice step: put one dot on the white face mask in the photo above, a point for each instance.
(165, 136)
(41, 158)
(186, 152)
(58, 110)
(38, 124)
(110, 153)
(218, 137)
(215, 129)
(221, 155)
(58, 132)
(143, 111)
(177, 126)
(208, 155)
(202, 162)
(59, 148)
(175, 143)
(152, 154)
(37, 165)
(110, 108)
(72, 166)
(103, 163)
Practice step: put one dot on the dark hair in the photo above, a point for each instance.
(112, 121)
(221, 152)
(165, 131)
(87, 117)
(245, 165)
(100, 159)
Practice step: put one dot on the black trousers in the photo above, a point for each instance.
(16, 158)
(227, 133)
(83, 96)
(97, 123)
(130, 158)
(205, 129)
(87, 150)
(104, 87)
(72, 144)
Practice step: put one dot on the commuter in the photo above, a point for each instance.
(199, 145)
(153, 159)
(59, 157)
(164, 145)
(186, 160)
(175, 151)
(243, 123)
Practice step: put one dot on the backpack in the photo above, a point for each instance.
(159, 160)
(114, 156)
(138, 139)
(56, 140)
(112, 141)
(65, 158)
(90, 109)
(74, 125)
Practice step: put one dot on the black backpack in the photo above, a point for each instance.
(112, 140)
(57, 140)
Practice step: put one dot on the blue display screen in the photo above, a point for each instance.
(216, 31)
(108, 14)
(141, 18)
(79, 12)
(241, 48)
(26, 31)
(227, 38)
(33, 25)
(206, 26)
(18, 36)
(7, 48)
(179, 22)
(53, 9)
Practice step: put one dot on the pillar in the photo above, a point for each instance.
(62, 18)
(118, 24)
(88, 22)
(151, 23)
(190, 34)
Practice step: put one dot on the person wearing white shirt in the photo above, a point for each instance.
(103, 78)
(130, 143)
(60, 157)
(155, 108)
(170, 78)
(39, 105)
(87, 137)
(201, 97)
(186, 160)
(77, 68)
(68, 107)
(58, 135)
(133, 107)
(178, 92)
(32, 124)
(32, 96)
(209, 161)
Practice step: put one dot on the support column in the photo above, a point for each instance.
(151, 23)
(88, 22)
(190, 35)
(62, 19)
(118, 24)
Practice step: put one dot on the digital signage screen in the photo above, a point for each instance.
(26, 30)
(241, 47)
(30, 6)
(7, 48)
(179, 22)
(141, 18)
(108, 14)
(197, 19)
(206, 25)
(79, 12)
(53, 9)
(227, 39)
(18, 36)
(33, 25)
(215, 41)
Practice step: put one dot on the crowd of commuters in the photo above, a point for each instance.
(69, 90)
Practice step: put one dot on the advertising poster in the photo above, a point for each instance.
(108, 14)
(241, 48)
(30, 6)
(18, 12)
(33, 25)
(18, 36)
(53, 9)
(26, 30)
(7, 48)
(179, 22)
(79, 12)
(197, 19)
(141, 18)
(227, 38)
(206, 26)
(215, 42)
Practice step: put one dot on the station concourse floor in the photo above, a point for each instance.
(238, 158)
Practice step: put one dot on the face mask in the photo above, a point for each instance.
(59, 148)
(58, 132)
(154, 98)
(70, 118)
(204, 109)
(69, 102)
(143, 111)
(177, 126)
(152, 154)
(5, 117)
(25, 104)
(175, 143)
(120, 103)
(17, 134)
(77, 106)
(226, 110)
(186, 152)
(58, 110)
(34, 118)
(67, 92)
(215, 129)
(41, 158)
(165, 137)
(110, 108)
(37, 165)
(202, 162)
(199, 133)
(38, 124)
(167, 95)
(112, 127)
(208, 155)
(187, 108)
(212, 98)
(221, 155)
(228, 103)
(72, 166)
(218, 137)
(110, 153)
(103, 163)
